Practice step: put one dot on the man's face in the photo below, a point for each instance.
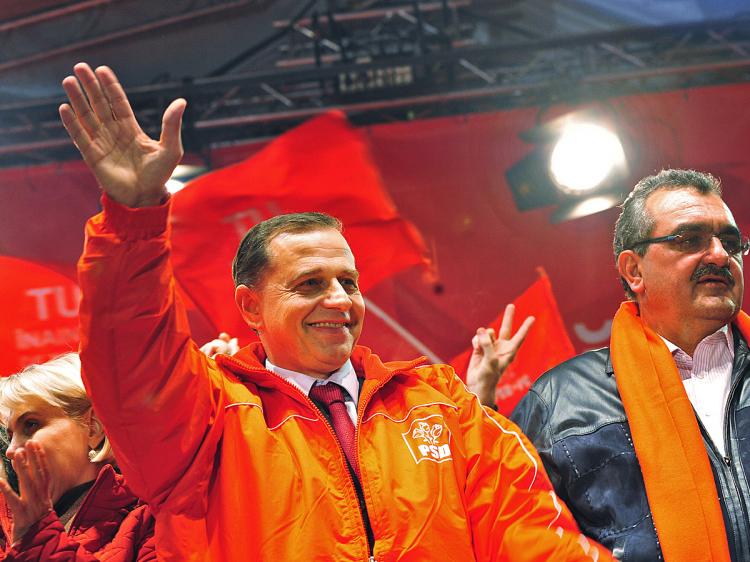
(698, 291)
(309, 309)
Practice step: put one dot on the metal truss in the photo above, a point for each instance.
(385, 60)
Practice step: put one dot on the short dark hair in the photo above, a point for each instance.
(635, 224)
(251, 260)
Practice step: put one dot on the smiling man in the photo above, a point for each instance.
(646, 440)
(304, 446)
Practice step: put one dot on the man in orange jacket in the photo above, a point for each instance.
(304, 446)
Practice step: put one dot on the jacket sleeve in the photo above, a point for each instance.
(158, 397)
(532, 416)
(512, 507)
(47, 540)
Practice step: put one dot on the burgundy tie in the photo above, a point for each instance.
(332, 395)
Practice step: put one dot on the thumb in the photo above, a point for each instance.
(171, 126)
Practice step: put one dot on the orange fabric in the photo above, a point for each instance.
(668, 443)
(239, 465)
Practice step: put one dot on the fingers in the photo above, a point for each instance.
(117, 102)
(94, 92)
(212, 348)
(12, 499)
(507, 324)
(223, 344)
(39, 459)
(77, 133)
(485, 341)
(20, 464)
(34, 501)
(32, 470)
(523, 331)
(171, 126)
(81, 108)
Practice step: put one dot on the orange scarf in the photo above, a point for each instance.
(679, 483)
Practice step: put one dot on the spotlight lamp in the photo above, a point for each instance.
(579, 164)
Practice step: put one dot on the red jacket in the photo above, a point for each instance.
(238, 464)
(111, 524)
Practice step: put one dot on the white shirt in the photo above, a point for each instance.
(345, 376)
(707, 377)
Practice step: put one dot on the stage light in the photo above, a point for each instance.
(584, 156)
(579, 165)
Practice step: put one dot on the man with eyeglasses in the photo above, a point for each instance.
(647, 440)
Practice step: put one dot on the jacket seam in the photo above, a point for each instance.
(406, 417)
(588, 430)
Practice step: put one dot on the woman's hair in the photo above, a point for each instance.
(56, 382)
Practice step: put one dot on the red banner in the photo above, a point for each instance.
(40, 314)
(445, 176)
(323, 165)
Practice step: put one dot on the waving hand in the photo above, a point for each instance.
(131, 167)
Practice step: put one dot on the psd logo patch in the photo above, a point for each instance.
(429, 439)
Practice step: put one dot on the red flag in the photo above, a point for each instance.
(546, 345)
(39, 314)
(323, 165)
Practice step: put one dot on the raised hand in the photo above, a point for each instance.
(491, 356)
(131, 167)
(35, 502)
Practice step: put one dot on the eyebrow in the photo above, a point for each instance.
(20, 419)
(307, 273)
(705, 227)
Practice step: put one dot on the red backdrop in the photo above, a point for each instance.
(447, 177)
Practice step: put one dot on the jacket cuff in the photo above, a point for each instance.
(38, 532)
(135, 223)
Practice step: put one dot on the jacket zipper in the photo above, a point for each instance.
(335, 438)
(727, 458)
(363, 400)
(342, 456)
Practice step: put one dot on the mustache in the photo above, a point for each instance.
(714, 271)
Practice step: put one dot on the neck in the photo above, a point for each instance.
(686, 336)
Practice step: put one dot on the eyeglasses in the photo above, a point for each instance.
(699, 241)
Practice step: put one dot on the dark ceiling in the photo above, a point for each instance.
(252, 68)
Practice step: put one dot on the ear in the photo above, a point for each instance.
(629, 266)
(95, 429)
(248, 301)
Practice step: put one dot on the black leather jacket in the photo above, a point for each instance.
(574, 417)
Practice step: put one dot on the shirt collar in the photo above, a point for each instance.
(728, 337)
(344, 376)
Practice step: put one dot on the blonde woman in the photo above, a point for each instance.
(72, 503)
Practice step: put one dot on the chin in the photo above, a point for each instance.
(721, 309)
(339, 356)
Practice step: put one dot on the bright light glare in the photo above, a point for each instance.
(584, 156)
(173, 185)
